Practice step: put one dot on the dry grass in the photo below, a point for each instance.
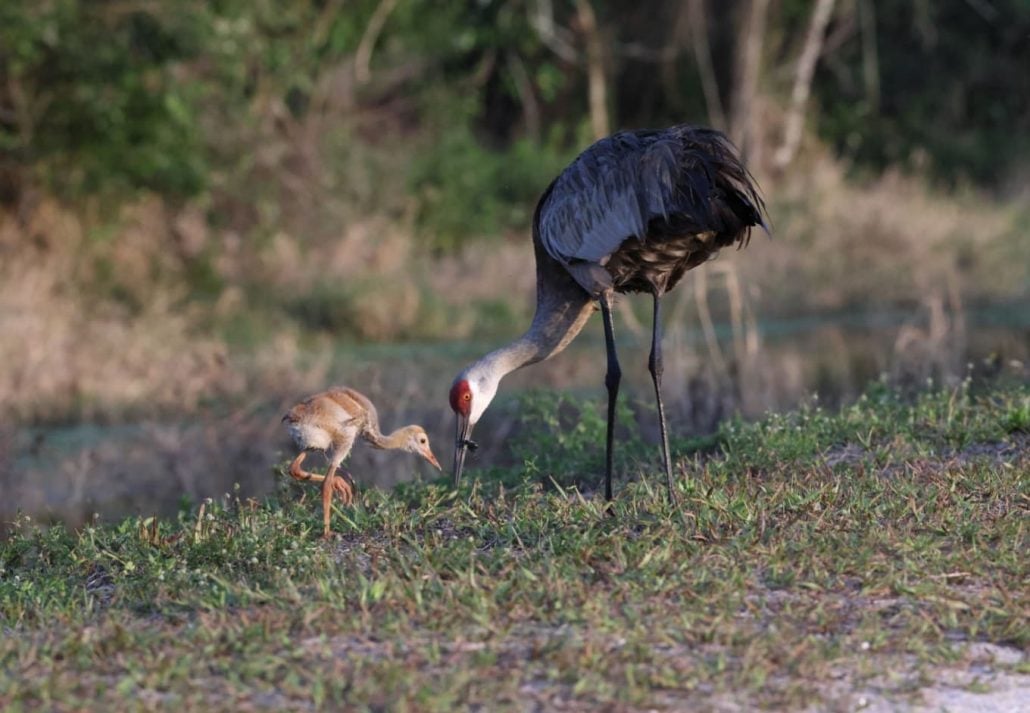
(108, 323)
(891, 241)
(76, 355)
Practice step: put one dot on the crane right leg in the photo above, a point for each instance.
(330, 485)
(611, 381)
(327, 499)
(655, 366)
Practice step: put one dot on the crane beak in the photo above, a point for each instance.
(462, 445)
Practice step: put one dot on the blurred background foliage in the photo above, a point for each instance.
(208, 208)
(115, 97)
(228, 152)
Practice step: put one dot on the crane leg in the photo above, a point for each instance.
(611, 382)
(655, 366)
(298, 473)
(342, 486)
(333, 484)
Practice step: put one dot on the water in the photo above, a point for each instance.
(146, 467)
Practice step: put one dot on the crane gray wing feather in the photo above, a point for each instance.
(607, 195)
(613, 191)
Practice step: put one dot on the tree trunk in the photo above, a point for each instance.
(803, 83)
(363, 55)
(870, 57)
(524, 87)
(698, 19)
(596, 86)
(748, 68)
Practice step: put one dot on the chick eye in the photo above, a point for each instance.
(422, 441)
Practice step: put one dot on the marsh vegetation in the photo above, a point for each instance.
(209, 210)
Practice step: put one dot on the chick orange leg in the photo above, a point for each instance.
(343, 485)
(298, 473)
(339, 484)
(328, 488)
(347, 485)
(334, 484)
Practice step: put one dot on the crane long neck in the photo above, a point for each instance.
(549, 334)
(562, 310)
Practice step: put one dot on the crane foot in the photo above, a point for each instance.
(343, 489)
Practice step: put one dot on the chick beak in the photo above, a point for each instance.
(428, 455)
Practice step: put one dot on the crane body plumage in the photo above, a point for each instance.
(330, 422)
(646, 206)
(632, 213)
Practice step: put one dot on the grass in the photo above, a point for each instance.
(816, 555)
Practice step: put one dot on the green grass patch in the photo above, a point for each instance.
(808, 547)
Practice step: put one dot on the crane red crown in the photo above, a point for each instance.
(461, 397)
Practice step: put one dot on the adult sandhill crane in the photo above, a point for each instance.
(632, 213)
(330, 422)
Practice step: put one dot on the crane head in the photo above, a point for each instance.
(472, 391)
(461, 404)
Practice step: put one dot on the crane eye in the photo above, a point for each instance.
(467, 396)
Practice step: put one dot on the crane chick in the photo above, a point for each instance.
(330, 422)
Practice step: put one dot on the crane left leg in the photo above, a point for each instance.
(296, 472)
(611, 381)
(655, 366)
(340, 485)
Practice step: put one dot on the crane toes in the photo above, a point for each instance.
(334, 485)
(343, 489)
